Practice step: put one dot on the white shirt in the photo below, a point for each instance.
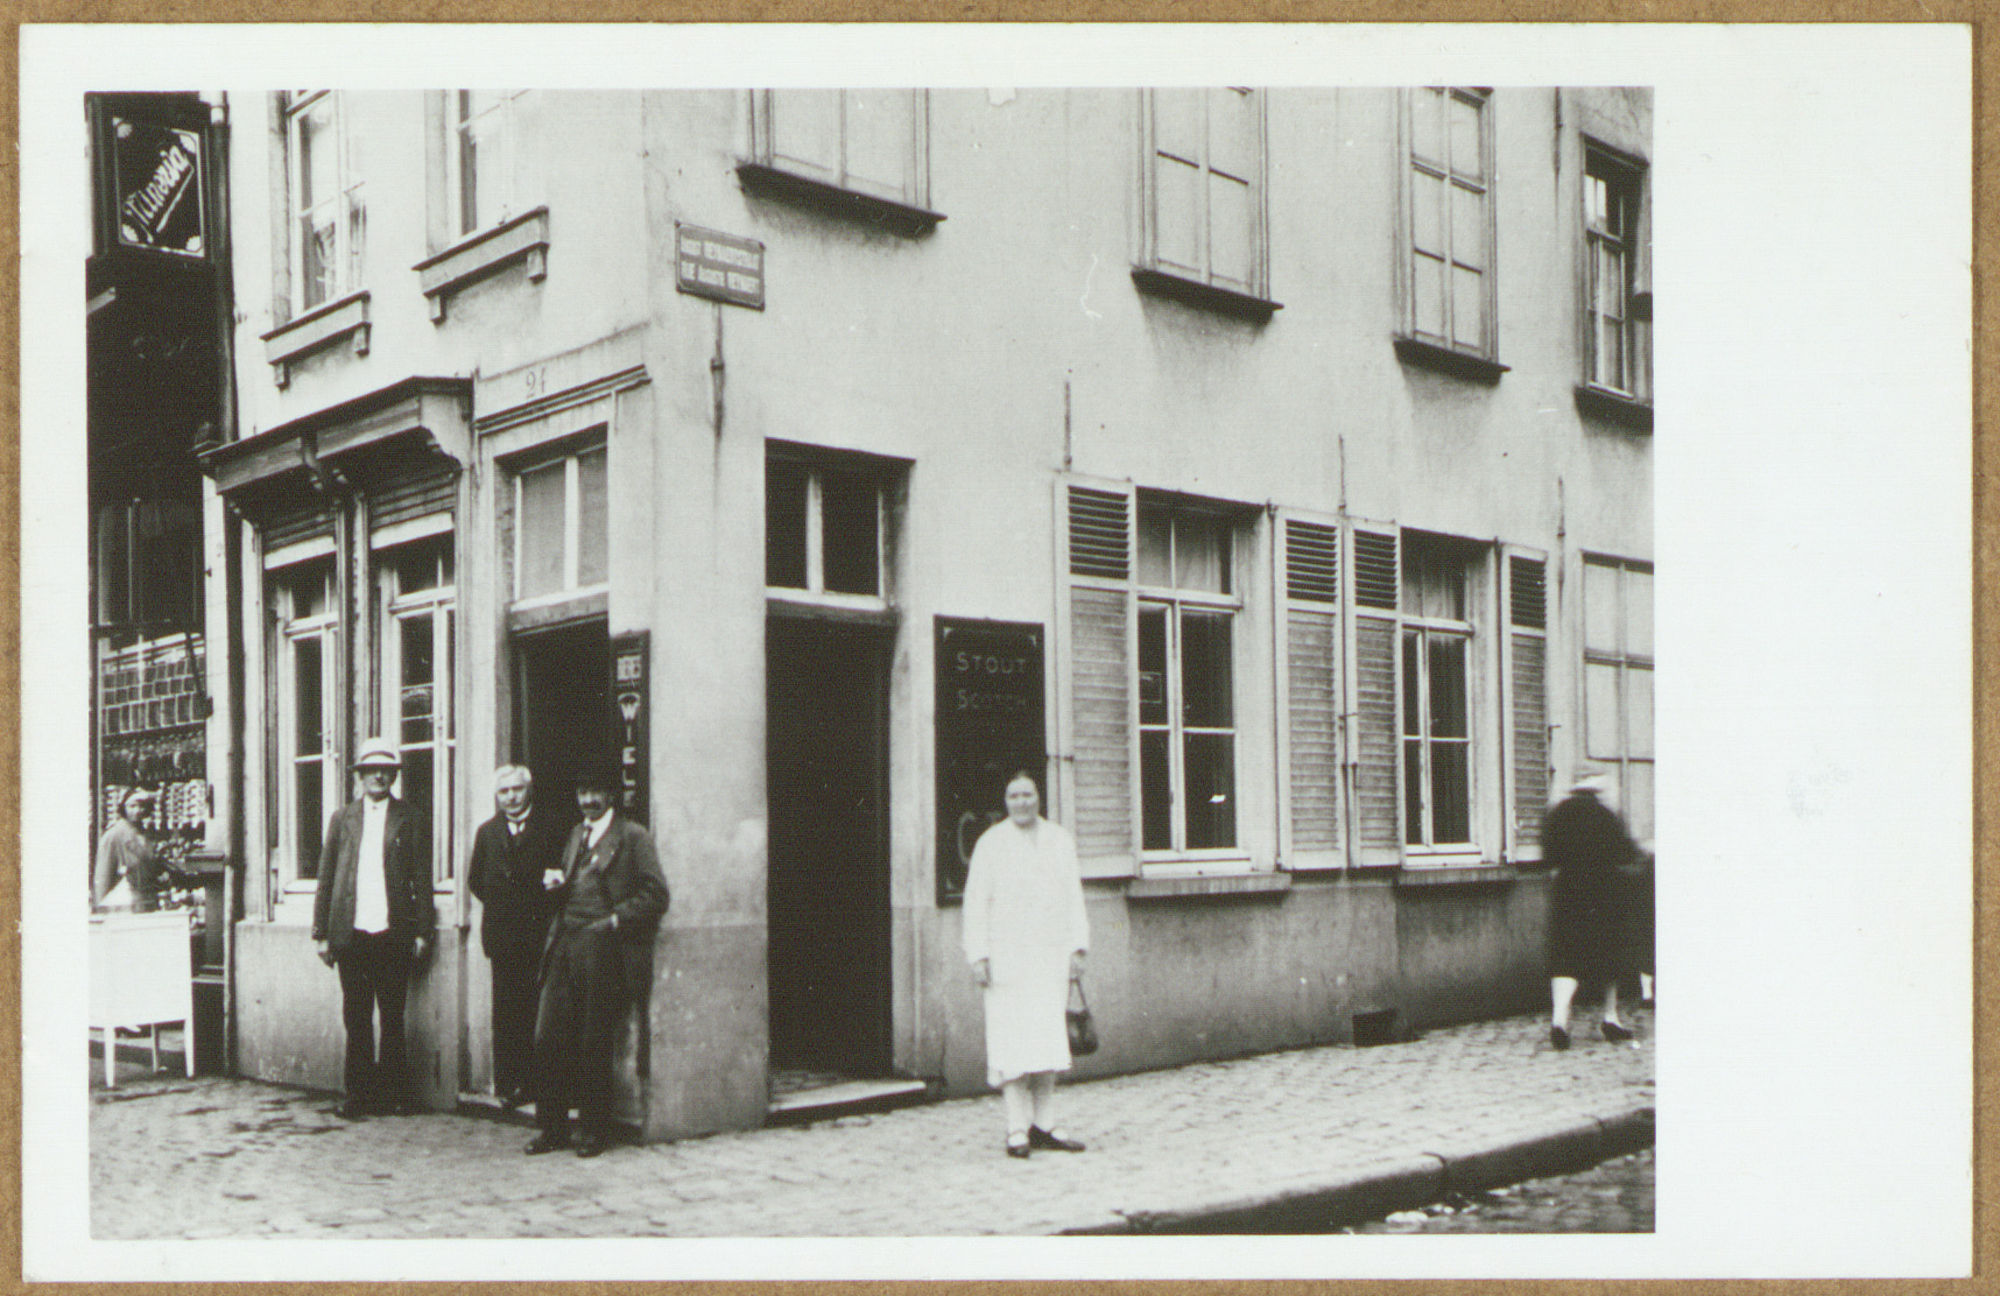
(597, 830)
(371, 887)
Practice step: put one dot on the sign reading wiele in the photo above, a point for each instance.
(717, 265)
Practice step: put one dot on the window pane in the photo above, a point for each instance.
(1427, 212)
(1427, 284)
(1451, 818)
(418, 671)
(415, 784)
(1639, 612)
(1207, 683)
(306, 697)
(880, 140)
(1639, 711)
(1427, 125)
(309, 591)
(1177, 213)
(1177, 124)
(1156, 803)
(421, 566)
(1230, 232)
(805, 130)
(319, 254)
(1466, 157)
(311, 809)
(1413, 791)
(1637, 794)
(1434, 581)
(1594, 202)
(1610, 353)
(541, 531)
(1152, 664)
(1600, 711)
(593, 538)
(1468, 227)
(850, 544)
(1232, 133)
(1447, 680)
(1156, 530)
(1211, 791)
(1468, 309)
(1201, 550)
(785, 524)
(1600, 607)
(1412, 693)
(319, 154)
(1609, 280)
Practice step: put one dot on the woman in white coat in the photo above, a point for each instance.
(1025, 936)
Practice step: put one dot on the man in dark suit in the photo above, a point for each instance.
(373, 919)
(611, 896)
(513, 854)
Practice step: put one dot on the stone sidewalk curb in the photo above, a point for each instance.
(1315, 1204)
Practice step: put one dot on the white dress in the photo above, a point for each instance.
(1024, 914)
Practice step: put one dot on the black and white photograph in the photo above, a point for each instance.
(1069, 665)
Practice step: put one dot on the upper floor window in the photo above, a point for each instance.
(483, 171)
(1618, 680)
(327, 214)
(823, 530)
(1448, 230)
(1203, 196)
(562, 526)
(1615, 331)
(863, 152)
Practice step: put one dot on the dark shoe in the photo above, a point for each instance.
(1041, 1138)
(547, 1141)
(1019, 1149)
(1616, 1032)
(592, 1145)
(1558, 1038)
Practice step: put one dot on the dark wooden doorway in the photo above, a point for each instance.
(827, 749)
(562, 717)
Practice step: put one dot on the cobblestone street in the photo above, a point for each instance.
(1615, 1197)
(1176, 1150)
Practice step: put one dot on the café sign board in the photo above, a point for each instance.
(989, 724)
(630, 715)
(720, 266)
(158, 183)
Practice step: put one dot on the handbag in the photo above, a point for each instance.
(1082, 1030)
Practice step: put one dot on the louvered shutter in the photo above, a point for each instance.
(1097, 557)
(1311, 706)
(1524, 676)
(1378, 798)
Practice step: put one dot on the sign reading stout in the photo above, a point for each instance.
(989, 725)
(628, 701)
(722, 266)
(158, 184)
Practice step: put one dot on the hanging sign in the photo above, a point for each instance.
(159, 187)
(989, 725)
(717, 265)
(630, 714)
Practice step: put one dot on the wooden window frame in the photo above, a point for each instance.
(1626, 661)
(349, 213)
(287, 862)
(440, 603)
(1441, 350)
(572, 588)
(462, 216)
(833, 188)
(1624, 178)
(1200, 285)
(815, 593)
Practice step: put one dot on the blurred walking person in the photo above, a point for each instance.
(1026, 937)
(1590, 928)
(513, 855)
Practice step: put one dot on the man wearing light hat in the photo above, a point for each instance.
(372, 921)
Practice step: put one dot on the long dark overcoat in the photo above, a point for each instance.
(1590, 927)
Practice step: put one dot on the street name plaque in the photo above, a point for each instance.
(724, 267)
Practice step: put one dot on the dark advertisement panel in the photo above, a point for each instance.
(157, 173)
(989, 724)
(629, 703)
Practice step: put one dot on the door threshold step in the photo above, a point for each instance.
(847, 1098)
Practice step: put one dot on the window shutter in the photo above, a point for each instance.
(1312, 692)
(1378, 795)
(1524, 677)
(1099, 533)
(1101, 708)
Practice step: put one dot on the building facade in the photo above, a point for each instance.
(1267, 471)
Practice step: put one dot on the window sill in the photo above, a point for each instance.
(342, 319)
(525, 238)
(855, 609)
(1429, 355)
(898, 218)
(551, 610)
(1207, 296)
(1209, 886)
(1456, 875)
(1614, 407)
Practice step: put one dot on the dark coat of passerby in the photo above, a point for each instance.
(597, 965)
(513, 855)
(373, 919)
(1590, 930)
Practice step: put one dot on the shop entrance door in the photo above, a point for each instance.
(562, 716)
(827, 749)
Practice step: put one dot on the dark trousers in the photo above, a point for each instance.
(375, 975)
(583, 1008)
(516, 1002)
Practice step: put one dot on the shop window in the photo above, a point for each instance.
(562, 526)
(1615, 334)
(415, 585)
(148, 565)
(328, 216)
(1448, 306)
(861, 152)
(483, 170)
(1203, 195)
(1618, 681)
(823, 530)
(304, 695)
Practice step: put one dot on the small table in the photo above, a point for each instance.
(141, 974)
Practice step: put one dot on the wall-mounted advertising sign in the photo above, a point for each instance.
(630, 714)
(720, 266)
(157, 174)
(989, 725)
